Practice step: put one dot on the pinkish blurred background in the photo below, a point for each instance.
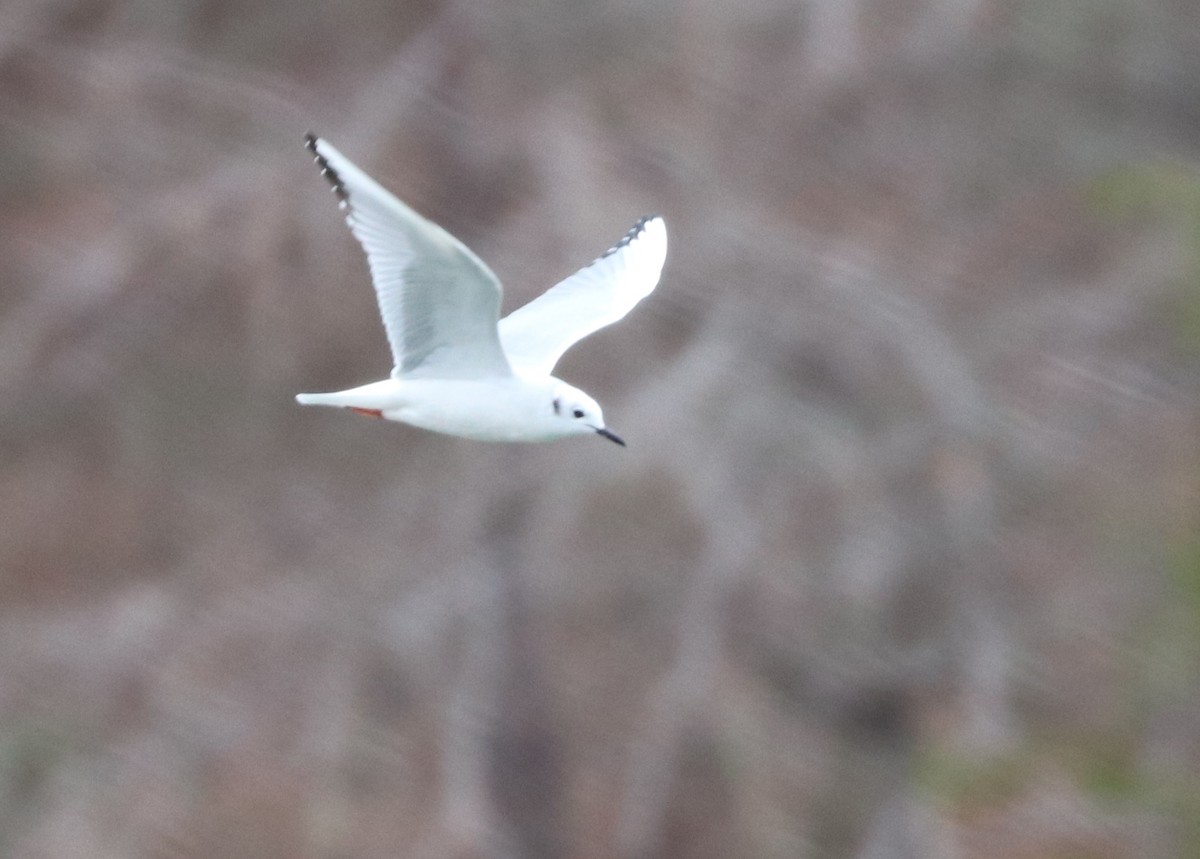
(903, 558)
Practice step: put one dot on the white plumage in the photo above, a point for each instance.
(458, 368)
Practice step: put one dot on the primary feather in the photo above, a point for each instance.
(535, 336)
(439, 302)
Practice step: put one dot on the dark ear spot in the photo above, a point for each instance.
(557, 406)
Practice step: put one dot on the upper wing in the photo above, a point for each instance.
(535, 336)
(438, 300)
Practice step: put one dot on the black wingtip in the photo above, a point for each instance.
(331, 175)
(634, 232)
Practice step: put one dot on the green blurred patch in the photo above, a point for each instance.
(1147, 189)
(1130, 759)
(1104, 767)
(1163, 676)
(970, 783)
(1184, 567)
(1166, 191)
(1108, 770)
(28, 754)
(1169, 646)
(1169, 192)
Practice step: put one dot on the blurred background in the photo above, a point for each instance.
(903, 557)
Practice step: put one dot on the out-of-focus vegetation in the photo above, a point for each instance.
(903, 559)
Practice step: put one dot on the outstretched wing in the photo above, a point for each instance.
(439, 302)
(535, 336)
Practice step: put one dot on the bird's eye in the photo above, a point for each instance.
(579, 413)
(557, 406)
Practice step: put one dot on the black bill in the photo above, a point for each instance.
(610, 435)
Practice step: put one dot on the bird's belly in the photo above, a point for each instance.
(474, 410)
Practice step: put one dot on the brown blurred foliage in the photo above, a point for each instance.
(903, 559)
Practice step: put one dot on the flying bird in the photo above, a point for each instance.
(458, 367)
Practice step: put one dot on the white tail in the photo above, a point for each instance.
(376, 395)
(320, 400)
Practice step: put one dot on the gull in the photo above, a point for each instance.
(458, 367)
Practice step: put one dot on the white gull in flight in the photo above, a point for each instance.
(459, 368)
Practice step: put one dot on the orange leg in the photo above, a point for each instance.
(371, 413)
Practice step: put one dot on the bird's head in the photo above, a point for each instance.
(575, 409)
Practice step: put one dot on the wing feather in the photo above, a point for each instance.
(535, 336)
(439, 302)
